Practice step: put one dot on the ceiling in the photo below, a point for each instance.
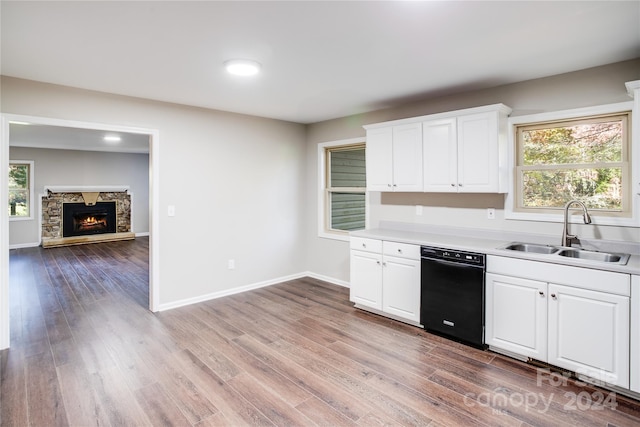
(320, 60)
(68, 138)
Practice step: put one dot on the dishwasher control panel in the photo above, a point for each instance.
(453, 255)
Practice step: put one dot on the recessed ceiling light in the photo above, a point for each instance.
(242, 67)
(112, 138)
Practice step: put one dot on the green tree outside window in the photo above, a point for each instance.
(19, 185)
(582, 159)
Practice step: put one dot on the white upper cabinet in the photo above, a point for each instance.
(478, 154)
(407, 157)
(379, 156)
(466, 154)
(394, 158)
(462, 151)
(440, 155)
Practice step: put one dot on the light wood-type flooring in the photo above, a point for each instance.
(86, 351)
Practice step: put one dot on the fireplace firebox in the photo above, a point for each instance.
(79, 219)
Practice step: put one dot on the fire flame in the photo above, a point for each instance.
(90, 220)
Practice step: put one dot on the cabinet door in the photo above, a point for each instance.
(379, 154)
(366, 279)
(478, 153)
(440, 155)
(401, 287)
(635, 333)
(516, 315)
(407, 157)
(589, 333)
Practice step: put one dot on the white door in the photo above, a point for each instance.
(478, 153)
(366, 279)
(407, 157)
(379, 154)
(440, 155)
(401, 287)
(516, 315)
(589, 333)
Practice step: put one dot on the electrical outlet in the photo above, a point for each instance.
(231, 264)
(491, 213)
(419, 210)
(171, 210)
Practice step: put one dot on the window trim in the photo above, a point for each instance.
(511, 212)
(323, 202)
(32, 205)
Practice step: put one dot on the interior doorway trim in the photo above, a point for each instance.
(154, 214)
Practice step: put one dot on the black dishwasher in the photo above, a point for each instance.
(453, 294)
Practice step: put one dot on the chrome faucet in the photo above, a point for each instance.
(567, 238)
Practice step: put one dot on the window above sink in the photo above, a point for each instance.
(582, 154)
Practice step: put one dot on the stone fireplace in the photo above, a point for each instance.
(72, 216)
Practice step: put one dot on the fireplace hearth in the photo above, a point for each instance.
(79, 219)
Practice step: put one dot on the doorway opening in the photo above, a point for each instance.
(151, 136)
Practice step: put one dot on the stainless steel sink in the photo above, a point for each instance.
(574, 253)
(532, 247)
(594, 256)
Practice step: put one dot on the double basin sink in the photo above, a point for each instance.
(583, 254)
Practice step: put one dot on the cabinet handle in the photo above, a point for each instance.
(364, 245)
(378, 262)
(384, 264)
(553, 296)
(399, 251)
(460, 185)
(452, 184)
(389, 185)
(395, 185)
(541, 293)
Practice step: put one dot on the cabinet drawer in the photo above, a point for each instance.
(364, 244)
(402, 250)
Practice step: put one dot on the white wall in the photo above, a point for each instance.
(89, 168)
(236, 183)
(596, 86)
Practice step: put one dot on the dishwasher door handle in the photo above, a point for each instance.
(452, 263)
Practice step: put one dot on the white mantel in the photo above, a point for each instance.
(86, 188)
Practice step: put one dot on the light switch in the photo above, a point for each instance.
(171, 211)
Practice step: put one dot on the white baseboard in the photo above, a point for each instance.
(24, 245)
(143, 234)
(332, 280)
(240, 289)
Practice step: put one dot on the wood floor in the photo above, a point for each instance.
(86, 351)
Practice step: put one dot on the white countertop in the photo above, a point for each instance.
(491, 243)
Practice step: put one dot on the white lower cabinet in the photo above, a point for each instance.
(366, 279)
(401, 287)
(516, 315)
(589, 333)
(385, 276)
(581, 325)
(635, 334)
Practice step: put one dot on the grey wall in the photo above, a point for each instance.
(88, 168)
(236, 183)
(596, 86)
(245, 188)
